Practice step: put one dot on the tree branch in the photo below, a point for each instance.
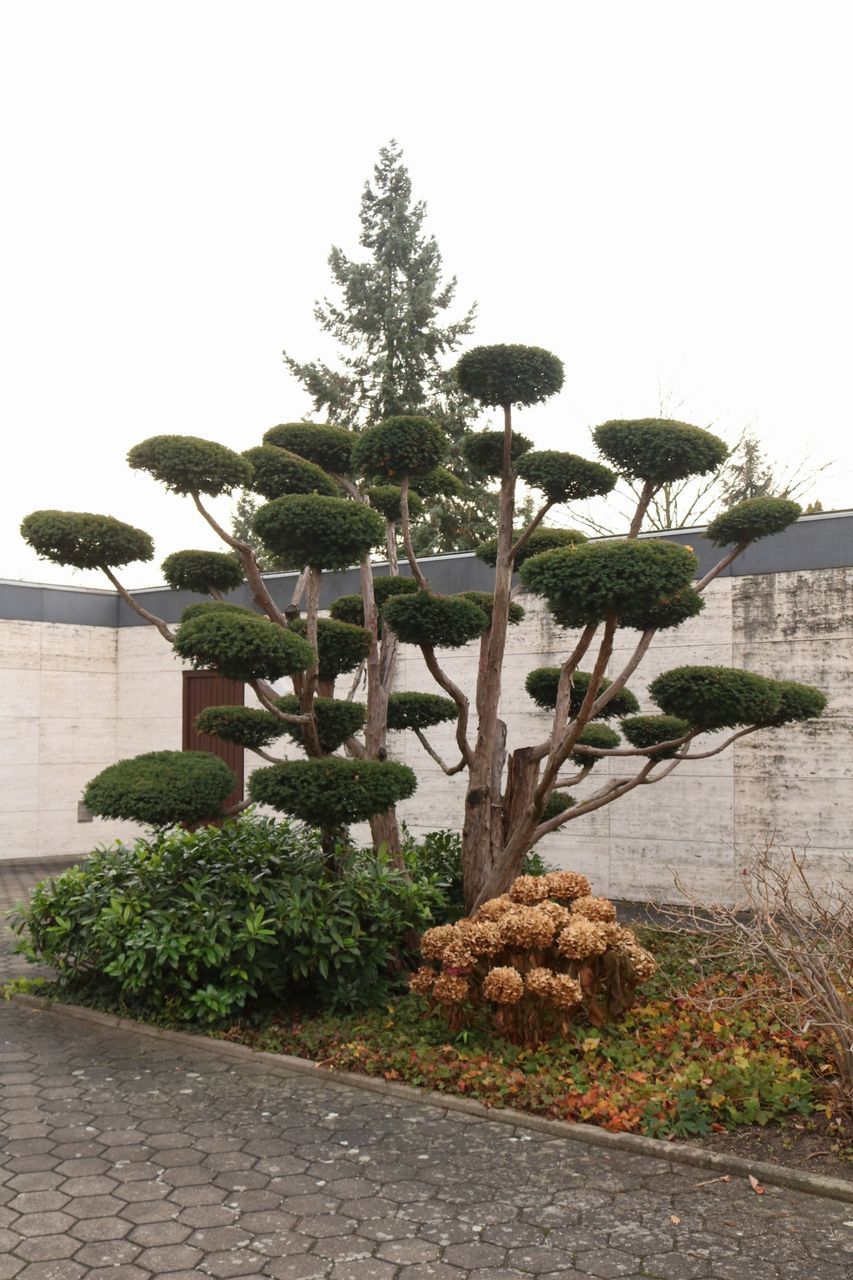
(407, 535)
(531, 528)
(250, 564)
(430, 750)
(162, 626)
(458, 697)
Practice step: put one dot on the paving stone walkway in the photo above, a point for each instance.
(124, 1158)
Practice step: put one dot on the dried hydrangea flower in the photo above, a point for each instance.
(422, 981)
(595, 909)
(456, 954)
(567, 885)
(582, 938)
(504, 985)
(540, 982)
(559, 914)
(640, 962)
(450, 988)
(435, 940)
(529, 890)
(527, 928)
(565, 992)
(494, 908)
(482, 937)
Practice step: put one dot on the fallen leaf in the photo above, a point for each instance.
(727, 1177)
(675, 1220)
(756, 1186)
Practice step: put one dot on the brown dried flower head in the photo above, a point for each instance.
(540, 982)
(559, 914)
(456, 954)
(567, 885)
(494, 908)
(482, 937)
(503, 985)
(565, 992)
(451, 988)
(529, 890)
(641, 963)
(527, 928)
(595, 909)
(435, 940)
(422, 981)
(582, 938)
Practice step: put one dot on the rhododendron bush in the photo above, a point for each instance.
(538, 957)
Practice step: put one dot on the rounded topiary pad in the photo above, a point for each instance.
(336, 720)
(200, 570)
(246, 726)
(541, 539)
(665, 612)
(798, 702)
(161, 788)
(241, 646)
(332, 792)
(340, 645)
(84, 540)
(443, 621)
(188, 464)
(509, 373)
(484, 450)
(485, 600)
(385, 498)
(717, 697)
(216, 606)
(438, 483)
(276, 472)
(351, 608)
(752, 519)
(327, 446)
(406, 445)
(583, 584)
(558, 802)
(659, 450)
(327, 533)
(600, 736)
(419, 710)
(543, 682)
(565, 477)
(650, 731)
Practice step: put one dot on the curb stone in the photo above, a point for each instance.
(588, 1135)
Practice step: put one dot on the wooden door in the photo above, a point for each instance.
(206, 689)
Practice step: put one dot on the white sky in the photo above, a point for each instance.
(658, 192)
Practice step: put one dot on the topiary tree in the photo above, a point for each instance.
(332, 498)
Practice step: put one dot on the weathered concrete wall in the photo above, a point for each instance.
(74, 698)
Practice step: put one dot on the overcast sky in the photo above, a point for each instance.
(658, 192)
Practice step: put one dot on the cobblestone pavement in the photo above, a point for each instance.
(125, 1158)
(16, 884)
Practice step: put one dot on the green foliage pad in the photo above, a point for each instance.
(542, 684)
(188, 464)
(332, 792)
(717, 697)
(659, 450)
(406, 445)
(276, 472)
(200, 570)
(444, 621)
(85, 541)
(327, 533)
(161, 788)
(328, 447)
(752, 519)
(509, 373)
(242, 646)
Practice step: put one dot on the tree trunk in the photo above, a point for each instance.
(385, 830)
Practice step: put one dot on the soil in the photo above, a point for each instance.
(814, 1144)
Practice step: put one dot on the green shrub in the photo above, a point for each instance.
(199, 927)
(385, 498)
(187, 464)
(600, 736)
(200, 571)
(485, 600)
(798, 702)
(161, 788)
(663, 613)
(419, 710)
(557, 802)
(438, 483)
(659, 450)
(385, 588)
(716, 697)
(630, 577)
(84, 540)
(336, 720)
(752, 519)
(484, 450)
(541, 539)
(332, 792)
(405, 445)
(327, 533)
(246, 726)
(507, 374)
(202, 607)
(542, 684)
(340, 645)
(328, 447)
(242, 646)
(650, 731)
(276, 472)
(436, 858)
(565, 477)
(425, 619)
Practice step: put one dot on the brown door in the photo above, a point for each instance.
(206, 689)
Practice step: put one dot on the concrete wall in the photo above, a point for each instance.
(75, 697)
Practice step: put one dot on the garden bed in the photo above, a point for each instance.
(713, 1066)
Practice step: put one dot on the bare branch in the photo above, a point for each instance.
(458, 697)
(407, 535)
(531, 529)
(430, 750)
(250, 564)
(163, 627)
